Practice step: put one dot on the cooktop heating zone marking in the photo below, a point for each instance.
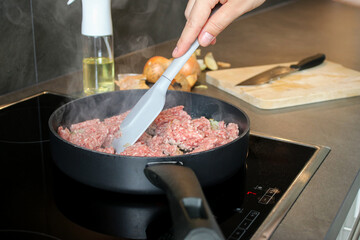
(244, 225)
(270, 193)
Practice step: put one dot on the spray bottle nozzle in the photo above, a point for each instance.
(96, 17)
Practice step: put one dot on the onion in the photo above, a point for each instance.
(181, 83)
(191, 67)
(155, 67)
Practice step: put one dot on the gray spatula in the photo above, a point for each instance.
(150, 104)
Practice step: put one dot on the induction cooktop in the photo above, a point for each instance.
(38, 201)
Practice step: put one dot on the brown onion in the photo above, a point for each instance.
(155, 67)
(191, 67)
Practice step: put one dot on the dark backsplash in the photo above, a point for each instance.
(41, 39)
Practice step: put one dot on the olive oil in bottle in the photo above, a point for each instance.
(98, 75)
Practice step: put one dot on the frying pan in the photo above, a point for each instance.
(181, 177)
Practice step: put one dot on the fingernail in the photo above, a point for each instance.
(206, 38)
(175, 51)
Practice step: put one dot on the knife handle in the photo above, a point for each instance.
(309, 62)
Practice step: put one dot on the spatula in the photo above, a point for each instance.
(150, 104)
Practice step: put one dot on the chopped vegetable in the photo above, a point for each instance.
(202, 64)
(223, 64)
(201, 86)
(198, 52)
(210, 61)
(192, 79)
(214, 124)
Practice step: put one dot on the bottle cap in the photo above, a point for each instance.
(96, 17)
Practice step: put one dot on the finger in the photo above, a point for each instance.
(199, 14)
(213, 42)
(189, 7)
(217, 23)
(227, 13)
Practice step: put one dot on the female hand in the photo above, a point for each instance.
(199, 24)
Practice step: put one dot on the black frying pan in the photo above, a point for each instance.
(179, 176)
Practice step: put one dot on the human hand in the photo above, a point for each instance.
(200, 26)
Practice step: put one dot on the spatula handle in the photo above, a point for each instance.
(179, 62)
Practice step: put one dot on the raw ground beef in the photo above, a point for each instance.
(172, 133)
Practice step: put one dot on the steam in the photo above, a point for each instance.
(100, 106)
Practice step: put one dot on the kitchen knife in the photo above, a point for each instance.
(281, 71)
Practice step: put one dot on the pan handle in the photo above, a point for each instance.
(191, 215)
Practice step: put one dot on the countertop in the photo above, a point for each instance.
(284, 33)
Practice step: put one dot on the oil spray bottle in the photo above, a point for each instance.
(98, 45)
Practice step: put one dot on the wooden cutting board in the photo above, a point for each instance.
(325, 82)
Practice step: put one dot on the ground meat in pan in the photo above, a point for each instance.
(172, 133)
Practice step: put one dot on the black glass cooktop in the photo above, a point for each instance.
(39, 202)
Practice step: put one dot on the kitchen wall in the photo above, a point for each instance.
(41, 40)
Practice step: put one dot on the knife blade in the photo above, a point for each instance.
(281, 71)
